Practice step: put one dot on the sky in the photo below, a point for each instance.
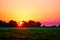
(45, 11)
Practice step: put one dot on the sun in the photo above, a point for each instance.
(20, 25)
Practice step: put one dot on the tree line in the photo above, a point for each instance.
(11, 23)
(28, 24)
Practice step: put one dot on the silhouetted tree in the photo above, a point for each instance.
(31, 23)
(43, 26)
(1, 23)
(13, 23)
(5, 24)
(58, 25)
(24, 24)
(38, 24)
(53, 26)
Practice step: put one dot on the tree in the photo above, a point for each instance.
(5, 24)
(38, 24)
(58, 25)
(31, 23)
(43, 26)
(24, 24)
(1, 23)
(13, 23)
(53, 26)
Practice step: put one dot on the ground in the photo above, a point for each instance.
(30, 33)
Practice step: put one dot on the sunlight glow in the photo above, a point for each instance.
(25, 10)
(21, 24)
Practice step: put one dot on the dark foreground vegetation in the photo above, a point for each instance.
(30, 34)
(25, 24)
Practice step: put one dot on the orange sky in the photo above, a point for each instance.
(37, 10)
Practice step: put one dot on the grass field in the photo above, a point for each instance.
(29, 33)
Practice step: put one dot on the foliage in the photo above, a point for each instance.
(28, 24)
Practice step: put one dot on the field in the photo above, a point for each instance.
(29, 33)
